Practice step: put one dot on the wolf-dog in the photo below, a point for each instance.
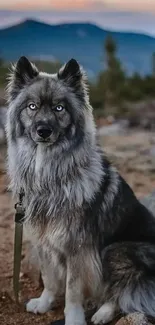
(93, 237)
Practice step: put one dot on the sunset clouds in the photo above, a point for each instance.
(53, 4)
(125, 5)
(132, 5)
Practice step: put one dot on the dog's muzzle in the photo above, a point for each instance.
(44, 132)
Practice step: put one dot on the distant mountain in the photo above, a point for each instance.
(83, 41)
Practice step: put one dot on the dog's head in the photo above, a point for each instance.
(48, 108)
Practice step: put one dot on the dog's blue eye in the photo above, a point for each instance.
(32, 106)
(59, 108)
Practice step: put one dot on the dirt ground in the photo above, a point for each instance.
(133, 154)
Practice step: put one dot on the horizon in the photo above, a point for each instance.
(77, 22)
(127, 21)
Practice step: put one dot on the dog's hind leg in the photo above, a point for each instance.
(128, 280)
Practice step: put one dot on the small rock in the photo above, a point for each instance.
(134, 319)
(116, 128)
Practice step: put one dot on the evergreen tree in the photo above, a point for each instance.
(153, 64)
(112, 80)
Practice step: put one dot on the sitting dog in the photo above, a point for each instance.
(92, 236)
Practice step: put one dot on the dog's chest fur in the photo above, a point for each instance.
(55, 191)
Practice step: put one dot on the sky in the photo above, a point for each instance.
(131, 15)
(133, 5)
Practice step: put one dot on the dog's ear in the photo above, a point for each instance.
(71, 73)
(22, 73)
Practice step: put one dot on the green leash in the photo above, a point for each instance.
(19, 215)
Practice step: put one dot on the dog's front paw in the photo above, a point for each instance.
(37, 306)
(40, 305)
(75, 322)
(74, 315)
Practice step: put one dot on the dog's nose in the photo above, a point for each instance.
(43, 131)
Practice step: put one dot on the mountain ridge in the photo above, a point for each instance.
(84, 41)
(40, 22)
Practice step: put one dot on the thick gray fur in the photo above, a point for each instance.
(92, 236)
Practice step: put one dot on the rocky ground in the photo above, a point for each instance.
(134, 155)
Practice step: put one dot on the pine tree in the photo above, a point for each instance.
(112, 79)
(153, 64)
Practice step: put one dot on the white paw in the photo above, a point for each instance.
(75, 322)
(104, 315)
(74, 315)
(40, 305)
(37, 306)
